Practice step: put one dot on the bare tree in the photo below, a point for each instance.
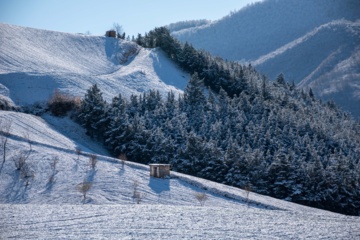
(20, 160)
(201, 197)
(123, 159)
(54, 161)
(5, 127)
(93, 161)
(26, 136)
(53, 164)
(137, 196)
(21, 157)
(119, 30)
(84, 187)
(26, 173)
(247, 190)
(78, 152)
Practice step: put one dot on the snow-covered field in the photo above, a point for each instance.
(36, 207)
(169, 222)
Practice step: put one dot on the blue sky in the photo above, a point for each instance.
(97, 16)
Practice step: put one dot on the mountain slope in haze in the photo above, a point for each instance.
(47, 202)
(311, 42)
(265, 26)
(327, 60)
(33, 63)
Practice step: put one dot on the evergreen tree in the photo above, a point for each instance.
(194, 101)
(92, 112)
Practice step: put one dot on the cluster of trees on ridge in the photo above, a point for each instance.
(214, 71)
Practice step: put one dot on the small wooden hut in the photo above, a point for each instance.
(159, 170)
(110, 33)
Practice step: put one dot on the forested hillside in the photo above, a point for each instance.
(234, 126)
(313, 43)
(325, 59)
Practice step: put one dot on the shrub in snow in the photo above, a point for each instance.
(84, 187)
(93, 161)
(21, 165)
(20, 160)
(78, 152)
(137, 196)
(122, 158)
(54, 161)
(7, 105)
(38, 108)
(27, 172)
(5, 127)
(247, 189)
(53, 164)
(201, 197)
(60, 104)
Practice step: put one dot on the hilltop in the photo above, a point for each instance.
(42, 61)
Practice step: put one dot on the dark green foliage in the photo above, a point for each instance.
(93, 112)
(302, 151)
(5, 105)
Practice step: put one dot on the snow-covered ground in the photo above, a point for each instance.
(34, 62)
(48, 204)
(168, 222)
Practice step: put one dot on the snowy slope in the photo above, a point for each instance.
(37, 208)
(33, 63)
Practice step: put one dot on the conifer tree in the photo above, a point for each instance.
(92, 112)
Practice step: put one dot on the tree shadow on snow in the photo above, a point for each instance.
(16, 191)
(90, 175)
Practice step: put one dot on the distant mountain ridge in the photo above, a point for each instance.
(173, 27)
(305, 40)
(331, 67)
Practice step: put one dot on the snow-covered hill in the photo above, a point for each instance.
(313, 42)
(46, 202)
(33, 63)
